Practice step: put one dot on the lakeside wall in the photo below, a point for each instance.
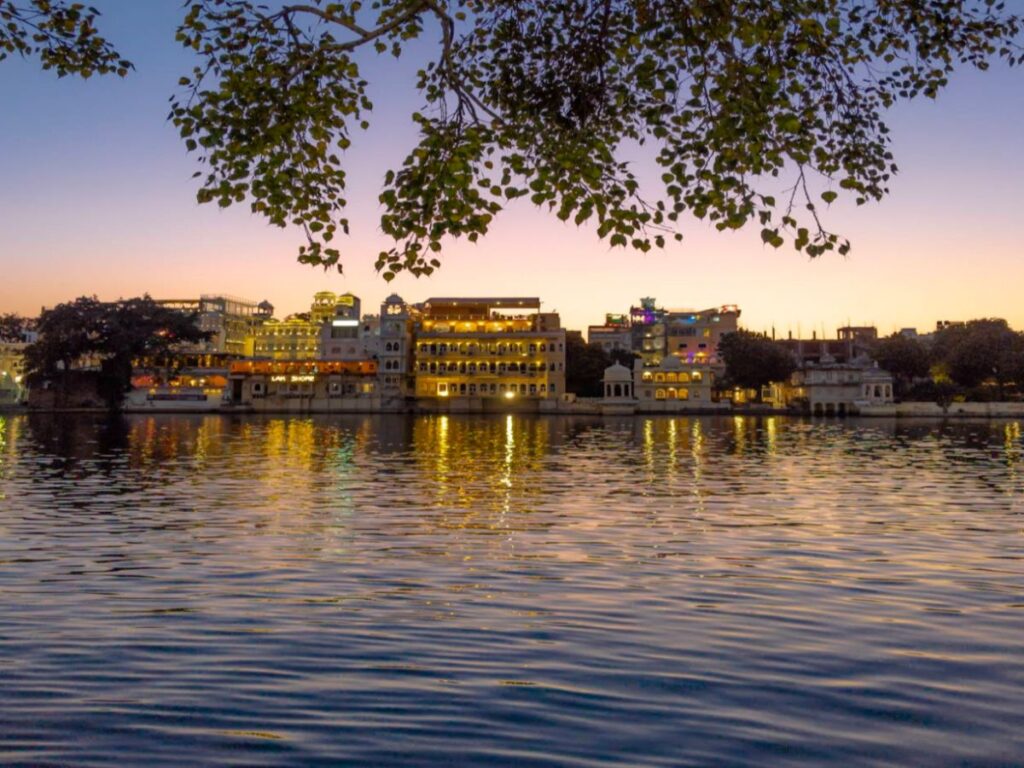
(578, 407)
(911, 410)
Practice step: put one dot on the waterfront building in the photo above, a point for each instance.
(837, 388)
(302, 336)
(488, 348)
(294, 338)
(395, 347)
(684, 384)
(230, 321)
(304, 386)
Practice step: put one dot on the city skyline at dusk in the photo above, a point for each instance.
(98, 199)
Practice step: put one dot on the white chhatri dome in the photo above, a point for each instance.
(617, 373)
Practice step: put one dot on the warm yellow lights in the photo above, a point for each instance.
(509, 395)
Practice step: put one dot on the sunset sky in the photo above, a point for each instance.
(96, 196)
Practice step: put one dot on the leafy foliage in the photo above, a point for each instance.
(12, 328)
(62, 35)
(112, 335)
(542, 99)
(584, 367)
(753, 360)
(905, 358)
(757, 112)
(980, 351)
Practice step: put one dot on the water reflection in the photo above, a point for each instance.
(510, 590)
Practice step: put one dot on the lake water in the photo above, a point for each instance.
(515, 591)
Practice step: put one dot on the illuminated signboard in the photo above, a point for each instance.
(344, 323)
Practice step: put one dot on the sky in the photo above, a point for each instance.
(97, 197)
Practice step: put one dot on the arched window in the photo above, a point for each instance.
(671, 393)
(659, 394)
(670, 377)
(659, 377)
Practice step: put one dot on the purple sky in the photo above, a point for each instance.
(96, 196)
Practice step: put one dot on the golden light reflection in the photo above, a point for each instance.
(1011, 440)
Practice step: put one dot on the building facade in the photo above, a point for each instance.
(838, 389)
(692, 335)
(488, 348)
(673, 381)
(303, 386)
(230, 321)
(613, 336)
(331, 318)
(395, 348)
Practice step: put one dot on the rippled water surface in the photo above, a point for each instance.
(510, 591)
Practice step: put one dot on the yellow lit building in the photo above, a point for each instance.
(12, 373)
(673, 381)
(298, 337)
(488, 348)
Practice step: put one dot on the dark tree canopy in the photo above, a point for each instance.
(905, 358)
(62, 35)
(980, 351)
(12, 328)
(111, 335)
(752, 360)
(756, 112)
(584, 367)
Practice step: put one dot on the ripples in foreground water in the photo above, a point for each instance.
(510, 591)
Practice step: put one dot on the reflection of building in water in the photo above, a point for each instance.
(488, 348)
(481, 466)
